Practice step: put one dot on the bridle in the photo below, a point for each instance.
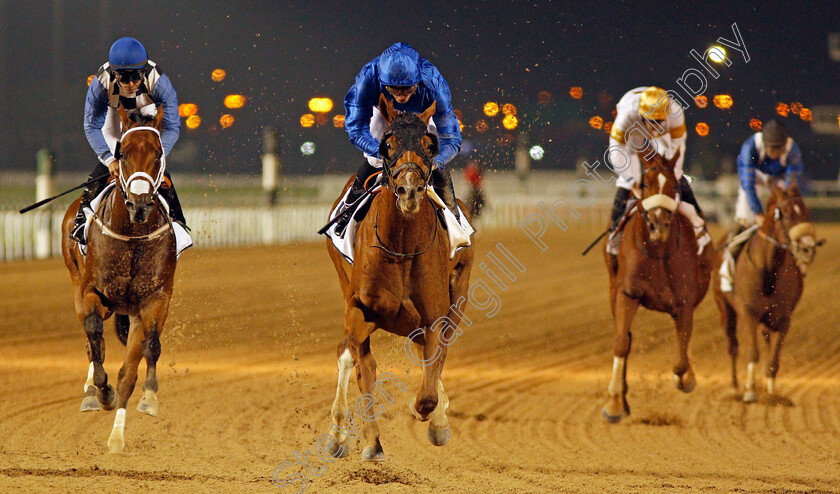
(657, 200)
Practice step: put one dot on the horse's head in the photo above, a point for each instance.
(658, 195)
(407, 150)
(786, 211)
(142, 163)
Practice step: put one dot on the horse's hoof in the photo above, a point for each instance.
(337, 450)
(373, 453)
(116, 443)
(686, 383)
(149, 404)
(90, 403)
(750, 397)
(613, 419)
(112, 393)
(439, 435)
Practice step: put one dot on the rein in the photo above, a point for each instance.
(108, 232)
(400, 254)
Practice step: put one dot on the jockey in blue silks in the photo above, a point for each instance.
(412, 83)
(131, 79)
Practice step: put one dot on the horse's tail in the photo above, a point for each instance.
(121, 324)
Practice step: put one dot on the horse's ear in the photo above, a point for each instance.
(157, 122)
(429, 113)
(672, 163)
(124, 118)
(637, 191)
(386, 108)
(793, 188)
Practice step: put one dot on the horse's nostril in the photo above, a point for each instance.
(420, 189)
(400, 190)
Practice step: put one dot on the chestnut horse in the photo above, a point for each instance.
(659, 268)
(402, 281)
(768, 282)
(128, 271)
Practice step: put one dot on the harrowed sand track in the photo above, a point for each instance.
(248, 374)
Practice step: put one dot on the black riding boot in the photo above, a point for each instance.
(622, 195)
(687, 195)
(171, 197)
(736, 230)
(442, 182)
(356, 190)
(89, 194)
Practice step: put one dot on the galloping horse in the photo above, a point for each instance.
(401, 280)
(659, 268)
(768, 281)
(129, 271)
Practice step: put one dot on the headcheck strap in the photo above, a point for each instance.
(661, 201)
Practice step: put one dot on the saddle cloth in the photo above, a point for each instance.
(459, 231)
(183, 241)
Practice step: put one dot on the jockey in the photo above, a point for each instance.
(647, 120)
(130, 78)
(413, 83)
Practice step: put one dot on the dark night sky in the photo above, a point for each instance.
(280, 54)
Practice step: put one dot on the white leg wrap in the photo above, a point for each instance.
(750, 376)
(89, 381)
(727, 267)
(617, 382)
(771, 385)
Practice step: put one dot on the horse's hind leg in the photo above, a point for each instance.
(729, 321)
(127, 380)
(625, 309)
(776, 339)
(683, 376)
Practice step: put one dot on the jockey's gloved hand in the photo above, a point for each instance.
(114, 167)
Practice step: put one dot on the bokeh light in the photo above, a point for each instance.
(322, 118)
(608, 127)
(481, 125)
(459, 115)
(338, 121)
(508, 109)
(576, 92)
(187, 109)
(795, 107)
(234, 101)
(782, 109)
(717, 54)
(701, 101)
(544, 97)
(307, 120)
(702, 129)
(90, 79)
(491, 109)
(805, 114)
(226, 120)
(755, 124)
(320, 105)
(536, 152)
(510, 122)
(218, 75)
(596, 122)
(723, 101)
(307, 148)
(193, 122)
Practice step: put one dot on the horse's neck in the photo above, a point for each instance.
(402, 233)
(766, 255)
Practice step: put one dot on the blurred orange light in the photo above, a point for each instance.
(576, 92)
(322, 118)
(459, 115)
(701, 101)
(805, 114)
(234, 101)
(338, 121)
(307, 120)
(702, 129)
(508, 109)
(320, 105)
(481, 125)
(608, 127)
(755, 124)
(193, 121)
(90, 79)
(544, 97)
(723, 101)
(795, 107)
(510, 122)
(782, 109)
(596, 122)
(491, 109)
(226, 120)
(187, 109)
(218, 75)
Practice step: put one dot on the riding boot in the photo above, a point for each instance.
(89, 194)
(356, 190)
(442, 182)
(622, 195)
(687, 195)
(167, 190)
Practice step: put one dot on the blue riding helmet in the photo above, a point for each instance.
(127, 53)
(399, 65)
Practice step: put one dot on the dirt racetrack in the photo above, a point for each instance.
(248, 375)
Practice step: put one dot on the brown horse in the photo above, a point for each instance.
(128, 271)
(768, 282)
(401, 281)
(657, 267)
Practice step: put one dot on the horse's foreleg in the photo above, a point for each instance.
(101, 394)
(683, 376)
(751, 330)
(366, 378)
(127, 380)
(729, 321)
(625, 309)
(776, 339)
(155, 312)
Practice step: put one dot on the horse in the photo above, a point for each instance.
(657, 267)
(768, 281)
(401, 281)
(128, 271)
